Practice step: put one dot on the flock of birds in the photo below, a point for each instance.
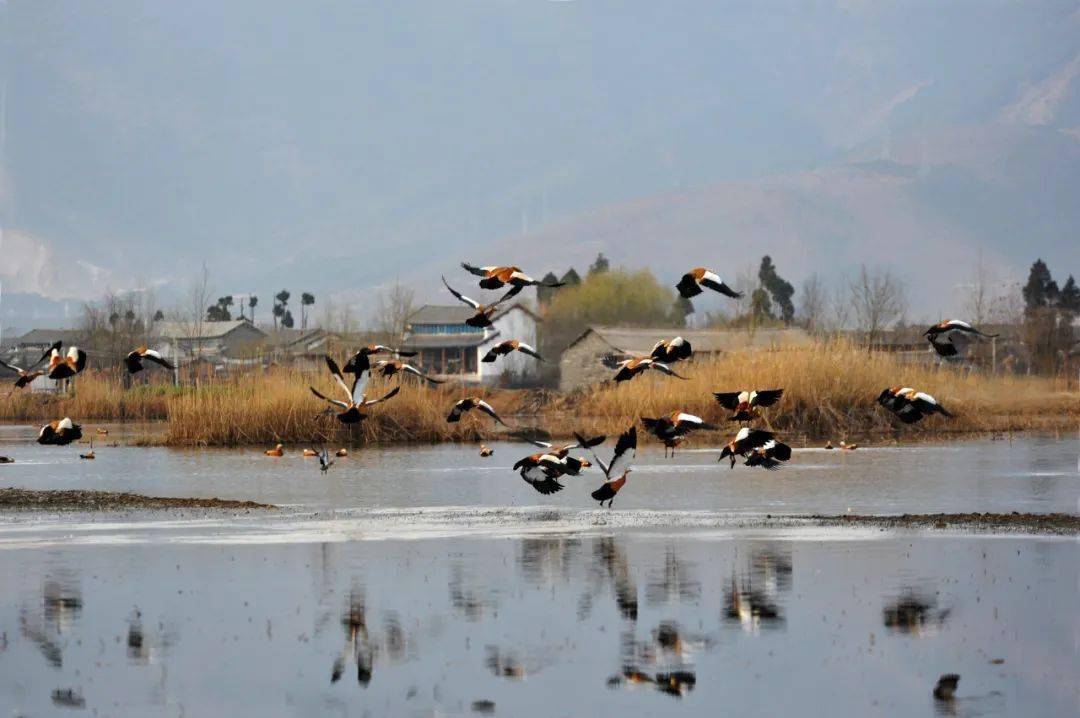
(544, 469)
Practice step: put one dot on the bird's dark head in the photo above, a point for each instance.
(725, 452)
(884, 396)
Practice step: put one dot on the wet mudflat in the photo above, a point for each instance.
(428, 581)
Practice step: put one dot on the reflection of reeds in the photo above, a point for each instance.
(830, 391)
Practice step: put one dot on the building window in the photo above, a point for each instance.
(470, 360)
(444, 329)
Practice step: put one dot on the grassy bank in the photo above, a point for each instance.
(830, 392)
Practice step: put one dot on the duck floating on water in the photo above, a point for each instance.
(278, 450)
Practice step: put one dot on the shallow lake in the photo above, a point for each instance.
(428, 581)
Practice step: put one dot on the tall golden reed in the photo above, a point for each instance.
(829, 392)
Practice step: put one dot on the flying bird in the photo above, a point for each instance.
(508, 346)
(564, 449)
(355, 397)
(59, 433)
(910, 406)
(482, 317)
(950, 337)
(691, 283)
(631, 368)
(745, 403)
(325, 462)
(542, 471)
(65, 366)
(468, 404)
(670, 351)
(498, 277)
(388, 368)
(672, 428)
(769, 455)
(744, 442)
(134, 360)
(25, 375)
(359, 362)
(619, 468)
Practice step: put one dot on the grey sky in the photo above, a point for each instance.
(331, 146)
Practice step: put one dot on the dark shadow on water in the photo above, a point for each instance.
(914, 613)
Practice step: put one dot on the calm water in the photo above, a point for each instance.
(833, 623)
(1029, 474)
(427, 581)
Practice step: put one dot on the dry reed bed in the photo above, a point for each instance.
(830, 391)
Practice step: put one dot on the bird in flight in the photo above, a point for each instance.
(670, 351)
(952, 336)
(482, 317)
(672, 428)
(388, 368)
(630, 368)
(508, 346)
(25, 375)
(499, 277)
(618, 469)
(910, 406)
(468, 404)
(359, 362)
(692, 282)
(745, 441)
(769, 455)
(745, 403)
(355, 398)
(134, 360)
(65, 366)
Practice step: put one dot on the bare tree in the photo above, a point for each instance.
(393, 308)
(978, 294)
(877, 300)
(813, 303)
(199, 292)
(839, 309)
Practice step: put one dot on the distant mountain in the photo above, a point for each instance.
(21, 311)
(925, 206)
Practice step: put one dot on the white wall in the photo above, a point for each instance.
(514, 324)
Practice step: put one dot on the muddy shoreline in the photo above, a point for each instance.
(12, 499)
(1051, 523)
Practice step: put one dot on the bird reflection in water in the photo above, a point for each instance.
(359, 647)
(467, 600)
(505, 664)
(545, 561)
(753, 600)
(61, 605)
(676, 584)
(662, 662)
(610, 566)
(914, 614)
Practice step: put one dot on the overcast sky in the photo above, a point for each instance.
(331, 146)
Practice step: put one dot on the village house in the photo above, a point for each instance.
(302, 348)
(218, 343)
(589, 358)
(448, 347)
